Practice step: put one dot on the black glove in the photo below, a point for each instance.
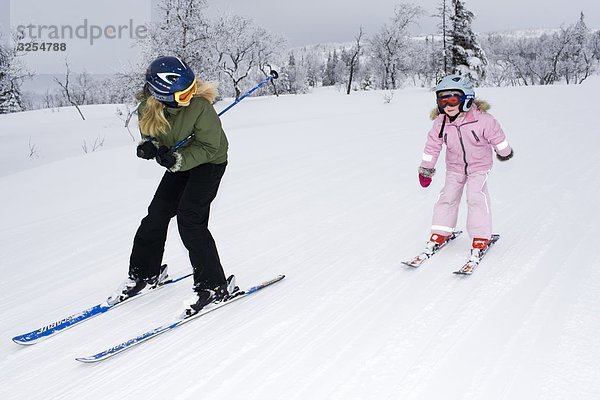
(505, 158)
(165, 157)
(146, 150)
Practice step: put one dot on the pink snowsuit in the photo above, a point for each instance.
(469, 158)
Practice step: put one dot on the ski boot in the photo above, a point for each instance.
(435, 242)
(205, 296)
(478, 249)
(133, 286)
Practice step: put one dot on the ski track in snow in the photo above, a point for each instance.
(322, 188)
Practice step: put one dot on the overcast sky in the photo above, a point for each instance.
(314, 21)
(300, 22)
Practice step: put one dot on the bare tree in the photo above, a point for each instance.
(238, 43)
(388, 45)
(98, 142)
(547, 70)
(66, 90)
(125, 113)
(84, 92)
(33, 150)
(48, 101)
(354, 58)
(235, 49)
(444, 13)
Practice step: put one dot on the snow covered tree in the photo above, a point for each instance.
(300, 69)
(524, 60)
(124, 86)
(340, 69)
(594, 45)
(230, 49)
(466, 56)
(501, 54)
(269, 56)
(426, 61)
(537, 61)
(182, 30)
(85, 89)
(388, 46)
(237, 43)
(293, 76)
(329, 75)
(313, 66)
(10, 96)
(577, 62)
(554, 50)
(12, 75)
(528, 61)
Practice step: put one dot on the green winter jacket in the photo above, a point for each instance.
(209, 144)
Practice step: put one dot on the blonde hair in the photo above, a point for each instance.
(153, 121)
(208, 90)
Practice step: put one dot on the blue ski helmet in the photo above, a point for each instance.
(461, 84)
(167, 76)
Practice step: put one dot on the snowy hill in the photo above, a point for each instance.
(323, 188)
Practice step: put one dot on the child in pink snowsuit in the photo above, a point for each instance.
(470, 134)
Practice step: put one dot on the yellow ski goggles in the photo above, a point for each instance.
(183, 97)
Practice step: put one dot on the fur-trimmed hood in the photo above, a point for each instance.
(482, 106)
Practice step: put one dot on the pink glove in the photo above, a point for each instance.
(425, 175)
(424, 180)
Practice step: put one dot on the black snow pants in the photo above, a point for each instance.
(188, 196)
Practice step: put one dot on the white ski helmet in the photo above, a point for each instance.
(460, 83)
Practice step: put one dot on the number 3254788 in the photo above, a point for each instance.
(44, 46)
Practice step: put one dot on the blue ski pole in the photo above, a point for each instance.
(274, 75)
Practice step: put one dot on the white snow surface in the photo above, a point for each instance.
(323, 188)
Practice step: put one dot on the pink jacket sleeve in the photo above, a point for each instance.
(495, 135)
(433, 147)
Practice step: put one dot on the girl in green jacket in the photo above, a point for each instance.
(182, 132)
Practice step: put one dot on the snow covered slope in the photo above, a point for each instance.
(323, 188)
